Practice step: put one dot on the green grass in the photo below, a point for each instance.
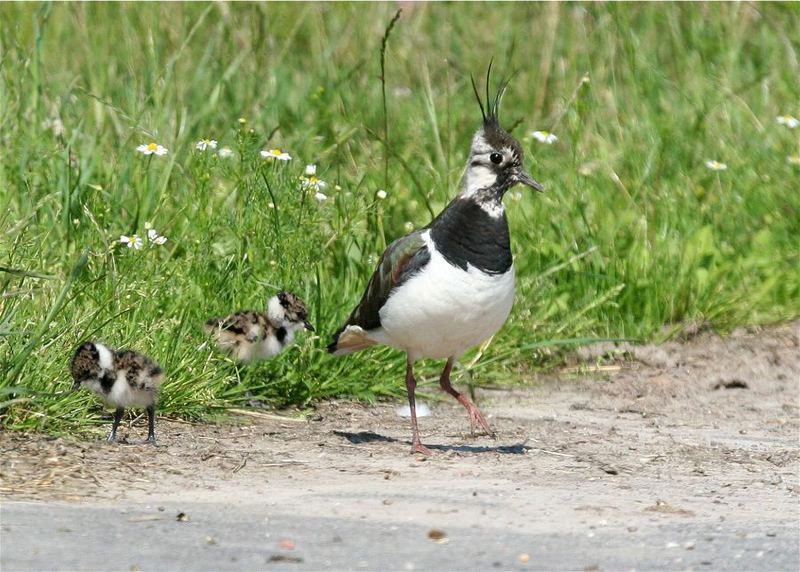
(634, 231)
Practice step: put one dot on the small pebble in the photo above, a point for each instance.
(438, 536)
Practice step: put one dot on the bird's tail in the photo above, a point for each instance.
(350, 339)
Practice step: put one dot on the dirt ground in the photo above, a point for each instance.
(704, 430)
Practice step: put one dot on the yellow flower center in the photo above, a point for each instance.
(276, 151)
(152, 147)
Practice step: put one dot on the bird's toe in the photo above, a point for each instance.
(421, 449)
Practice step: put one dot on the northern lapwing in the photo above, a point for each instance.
(123, 379)
(445, 288)
(250, 336)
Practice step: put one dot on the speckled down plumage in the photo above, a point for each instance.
(250, 335)
(122, 378)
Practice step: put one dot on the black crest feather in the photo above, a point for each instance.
(477, 96)
(492, 107)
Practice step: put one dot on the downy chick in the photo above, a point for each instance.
(250, 336)
(121, 378)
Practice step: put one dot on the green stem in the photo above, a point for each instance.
(383, 99)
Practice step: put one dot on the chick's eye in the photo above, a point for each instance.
(496, 158)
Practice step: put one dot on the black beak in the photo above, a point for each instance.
(524, 178)
(76, 386)
(308, 326)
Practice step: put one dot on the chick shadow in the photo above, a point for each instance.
(362, 437)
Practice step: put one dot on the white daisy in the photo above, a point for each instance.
(225, 153)
(321, 197)
(381, 194)
(276, 153)
(152, 149)
(310, 180)
(134, 241)
(716, 165)
(154, 237)
(544, 137)
(204, 144)
(788, 120)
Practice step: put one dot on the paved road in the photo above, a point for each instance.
(53, 536)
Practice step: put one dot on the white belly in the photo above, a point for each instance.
(443, 310)
(123, 395)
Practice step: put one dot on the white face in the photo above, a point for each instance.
(276, 312)
(481, 170)
(94, 385)
(279, 317)
(478, 177)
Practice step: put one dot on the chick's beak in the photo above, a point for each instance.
(524, 178)
(76, 386)
(307, 325)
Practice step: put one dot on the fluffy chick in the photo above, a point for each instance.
(249, 336)
(121, 378)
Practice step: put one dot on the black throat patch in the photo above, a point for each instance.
(466, 234)
(107, 381)
(280, 333)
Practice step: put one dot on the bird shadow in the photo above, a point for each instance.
(362, 437)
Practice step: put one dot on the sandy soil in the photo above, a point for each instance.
(700, 430)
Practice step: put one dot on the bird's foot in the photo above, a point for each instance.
(418, 447)
(112, 438)
(477, 418)
(151, 440)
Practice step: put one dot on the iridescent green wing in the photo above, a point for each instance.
(400, 261)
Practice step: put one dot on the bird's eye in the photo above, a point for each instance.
(496, 158)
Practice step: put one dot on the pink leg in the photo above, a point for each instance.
(475, 415)
(411, 385)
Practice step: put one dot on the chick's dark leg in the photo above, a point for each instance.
(475, 415)
(117, 418)
(151, 425)
(411, 385)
